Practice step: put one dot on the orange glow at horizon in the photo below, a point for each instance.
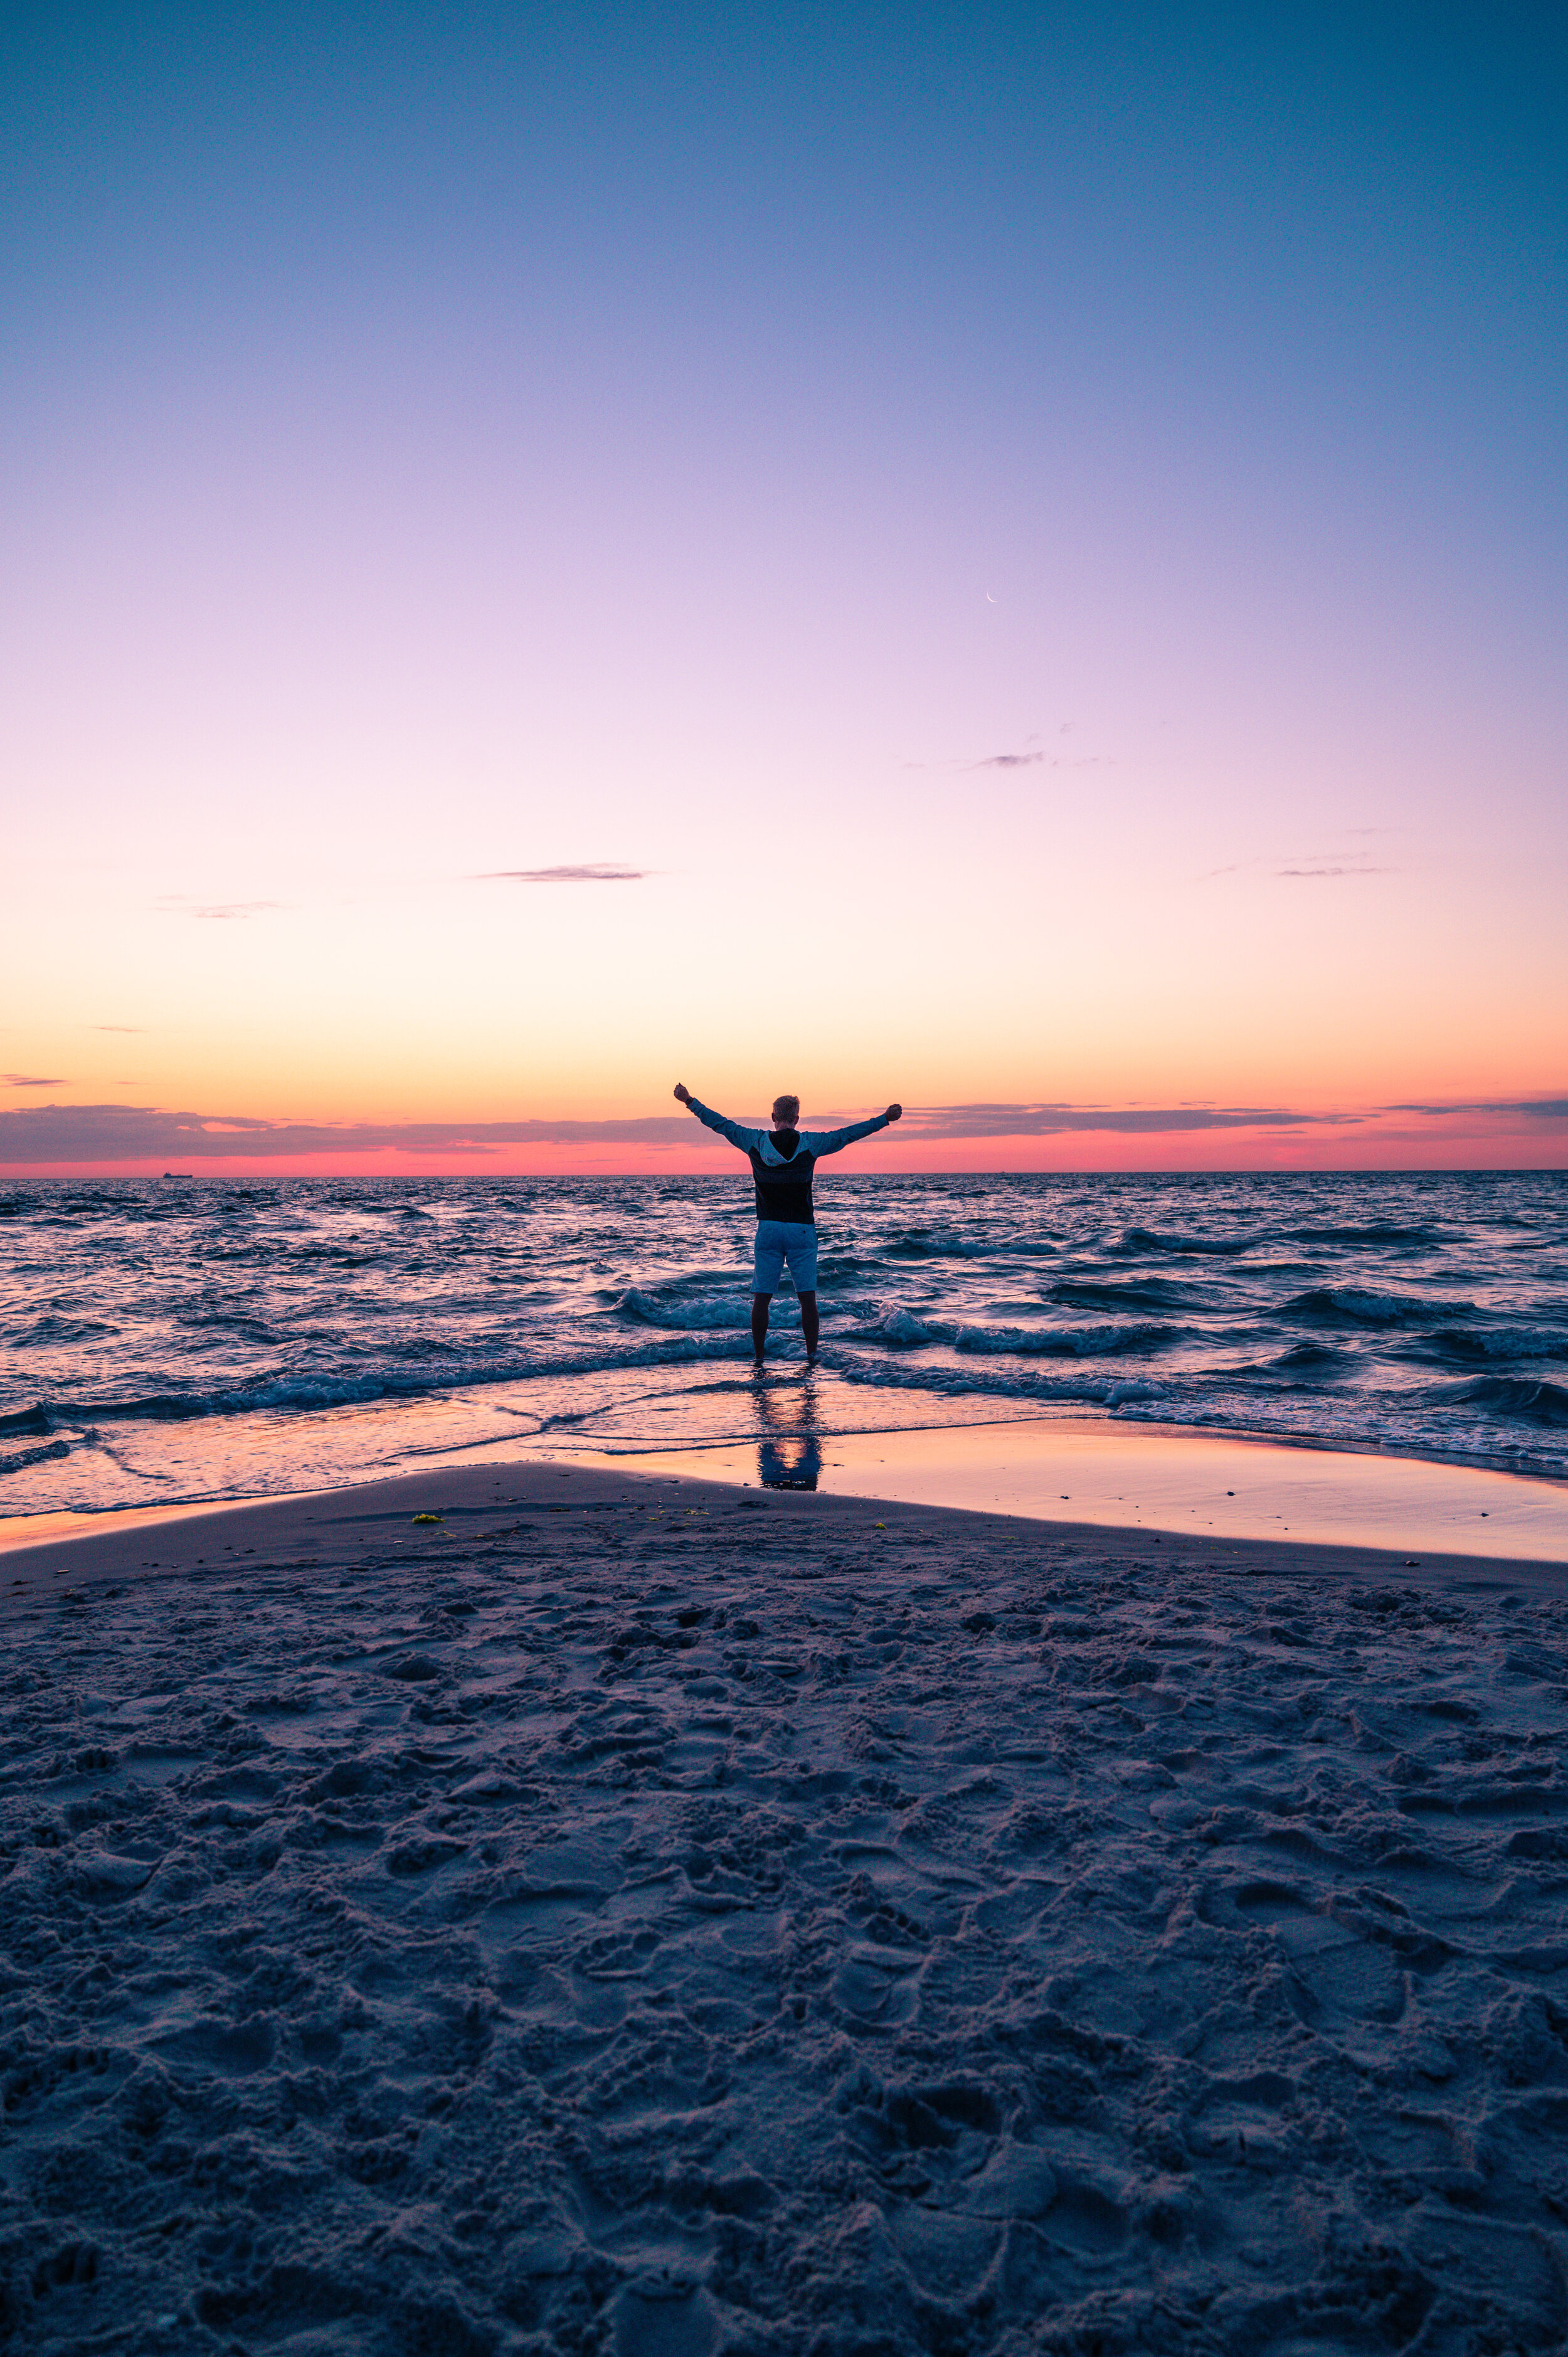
(1460, 1137)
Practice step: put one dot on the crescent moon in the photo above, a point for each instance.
(989, 598)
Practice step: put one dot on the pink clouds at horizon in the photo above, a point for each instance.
(1514, 1136)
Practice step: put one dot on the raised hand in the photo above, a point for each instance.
(682, 1093)
(894, 1112)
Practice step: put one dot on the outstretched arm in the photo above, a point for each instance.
(744, 1138)
(833, 1141)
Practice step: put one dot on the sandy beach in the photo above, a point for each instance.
(652, 1915)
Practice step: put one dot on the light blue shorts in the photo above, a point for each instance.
(779, 1241)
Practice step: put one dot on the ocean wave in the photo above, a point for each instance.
(27, 1419)
(235, 1322)
(701, 1313)
(21, 1458)
(1133, 1293)
(1363, 1305)
(54, 1329)
(330, 1256)
(904, 1330)
(927, 1375)
(1135, 1242)
(1064, 1341)
(1467, 1345)
(924, 1243)
(1521, 1402)
(327, 1391)
(1376, 1233)
(317, 1393)
(1313, 1358)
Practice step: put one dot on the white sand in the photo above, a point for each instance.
(578, 1926)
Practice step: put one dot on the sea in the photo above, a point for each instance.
(166, 1340)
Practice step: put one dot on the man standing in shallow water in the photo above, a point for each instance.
(782, 1161)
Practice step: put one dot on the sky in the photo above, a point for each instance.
(1007, 559)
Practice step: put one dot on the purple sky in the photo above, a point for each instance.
(994, 560)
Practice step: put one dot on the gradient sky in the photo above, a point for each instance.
(1031, 543)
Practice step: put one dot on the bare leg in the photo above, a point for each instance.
(759, 1302)
(809, 1323)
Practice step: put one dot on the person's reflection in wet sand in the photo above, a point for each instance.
(788, 1449)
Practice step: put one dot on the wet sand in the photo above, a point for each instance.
(1148, 1478)
(1125, 1483)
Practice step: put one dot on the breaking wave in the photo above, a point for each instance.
(914, 1374)
(1065, 1343)
(1361, 1305)
(1139, 1242)
(706, 1311)
(1523, 1403)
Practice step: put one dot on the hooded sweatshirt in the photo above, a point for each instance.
(782, 1160)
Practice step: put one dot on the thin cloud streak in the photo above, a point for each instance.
(1038, 760)
(1304, 867)
(587, 872)
(27, 1081)
(1533, 1108)
(144, 1132)
(1054, 1121)
(172, 905)
(1045, 760)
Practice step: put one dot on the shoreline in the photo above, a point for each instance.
(366, 1522)
(1140, 1478)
